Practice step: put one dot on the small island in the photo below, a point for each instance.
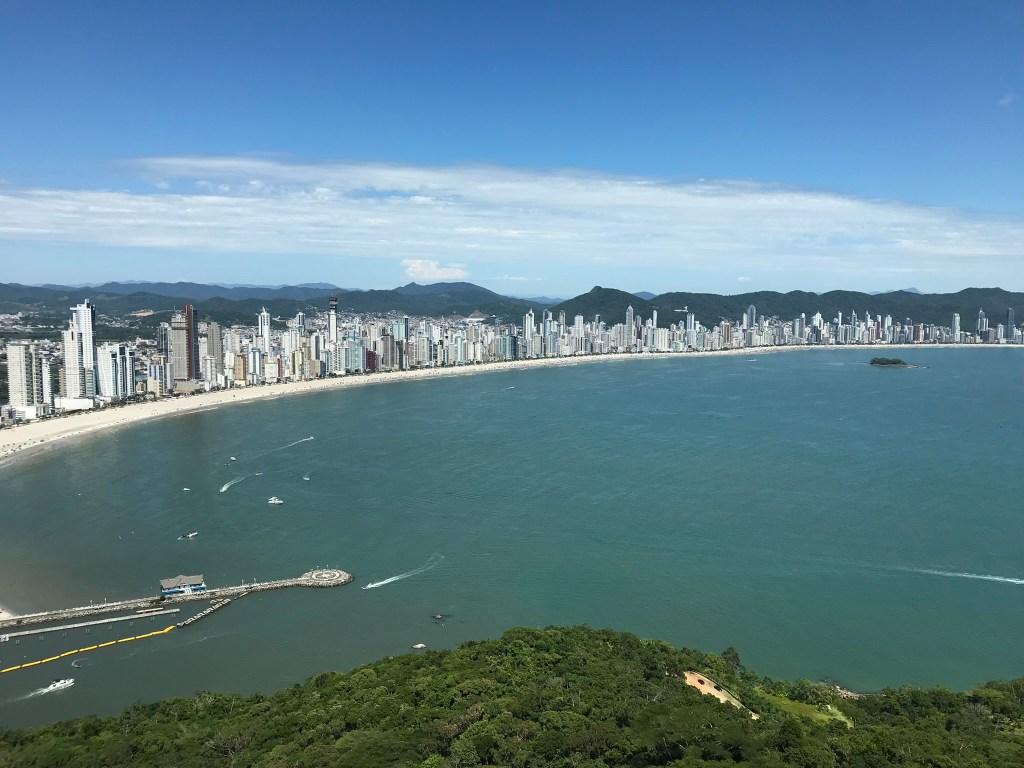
(891, 362)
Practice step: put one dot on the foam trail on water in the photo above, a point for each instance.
(433, 562)
(236, 481)
(964, 575)
(303, 440)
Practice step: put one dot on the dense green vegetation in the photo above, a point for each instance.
(554, 697)
(892, 361)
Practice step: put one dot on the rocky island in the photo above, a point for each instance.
(891, 362)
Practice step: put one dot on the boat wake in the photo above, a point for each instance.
(433, 562)
(303, 440)
(230, 483)
(963, 575)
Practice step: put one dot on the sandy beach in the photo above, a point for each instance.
(29, 438)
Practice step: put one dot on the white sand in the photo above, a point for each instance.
(42, 433)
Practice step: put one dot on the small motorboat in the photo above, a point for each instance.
(419, 646)
(59, 685)
(274, 500)
(305, 477)
(233, 458)
(188, 535)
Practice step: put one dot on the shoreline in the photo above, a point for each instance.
(37, 436)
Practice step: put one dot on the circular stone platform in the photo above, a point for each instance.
(326, 577)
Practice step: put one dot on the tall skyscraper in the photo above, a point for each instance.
(263, 330)
(80, 352)
(1010, 327)
(982, 321)
(215, 347)
(183, 345)
(629, 321)
(28, 376)
(332, 321)
(956, 327)
(192, 340)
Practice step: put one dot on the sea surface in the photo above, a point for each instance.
(829, 519)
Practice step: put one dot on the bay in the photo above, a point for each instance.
(827, 518)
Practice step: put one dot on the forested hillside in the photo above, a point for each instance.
(553, 697)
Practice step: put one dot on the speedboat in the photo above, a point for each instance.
(274, 500)
(188, 535)
(58, 685)
(305, 477)
(233, 458)
(186, 489)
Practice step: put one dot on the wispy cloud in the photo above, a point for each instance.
(515, 278)
(442, 223)
(1007, 100)
(743, 279)
(428, 269)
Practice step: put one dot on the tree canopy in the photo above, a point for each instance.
(553, 697)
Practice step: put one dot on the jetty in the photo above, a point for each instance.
(320, 577)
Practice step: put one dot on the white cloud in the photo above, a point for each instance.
(1007, 100)
(517, 278)
(428, 269)
(742, 279)
(488, 219)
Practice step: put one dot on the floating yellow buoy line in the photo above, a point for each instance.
(89, 648)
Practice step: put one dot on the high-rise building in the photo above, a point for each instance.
(177, 347)
(263, 331)
(215, 347)
(28, 374)
(956, 327)
(982, 321)
(80, 352)
(1010, 327)
(115, 364)
(332, 321)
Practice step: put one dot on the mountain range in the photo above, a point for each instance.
(240, 304)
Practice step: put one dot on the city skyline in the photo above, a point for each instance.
(719, 149)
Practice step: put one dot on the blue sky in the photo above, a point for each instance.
(534, 148)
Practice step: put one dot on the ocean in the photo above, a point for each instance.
(829, 519)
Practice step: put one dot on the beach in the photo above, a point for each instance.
(34, 436)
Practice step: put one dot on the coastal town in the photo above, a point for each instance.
(190, 355)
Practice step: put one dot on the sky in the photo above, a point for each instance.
(534, 148)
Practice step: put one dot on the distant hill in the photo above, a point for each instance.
(646, 295)
(241, 304)
(610, 303)
(200, 291)
(710, 308)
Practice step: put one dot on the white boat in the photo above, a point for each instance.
(188, 535)
(305, 477)
(186, 489)
(274, 500)
(233, 458)
(58, 685)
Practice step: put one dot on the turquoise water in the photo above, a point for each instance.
(809, 509)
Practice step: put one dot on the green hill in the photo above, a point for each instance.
(555, 697)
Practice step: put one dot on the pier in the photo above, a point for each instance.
(320, 577)
(94, 623)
